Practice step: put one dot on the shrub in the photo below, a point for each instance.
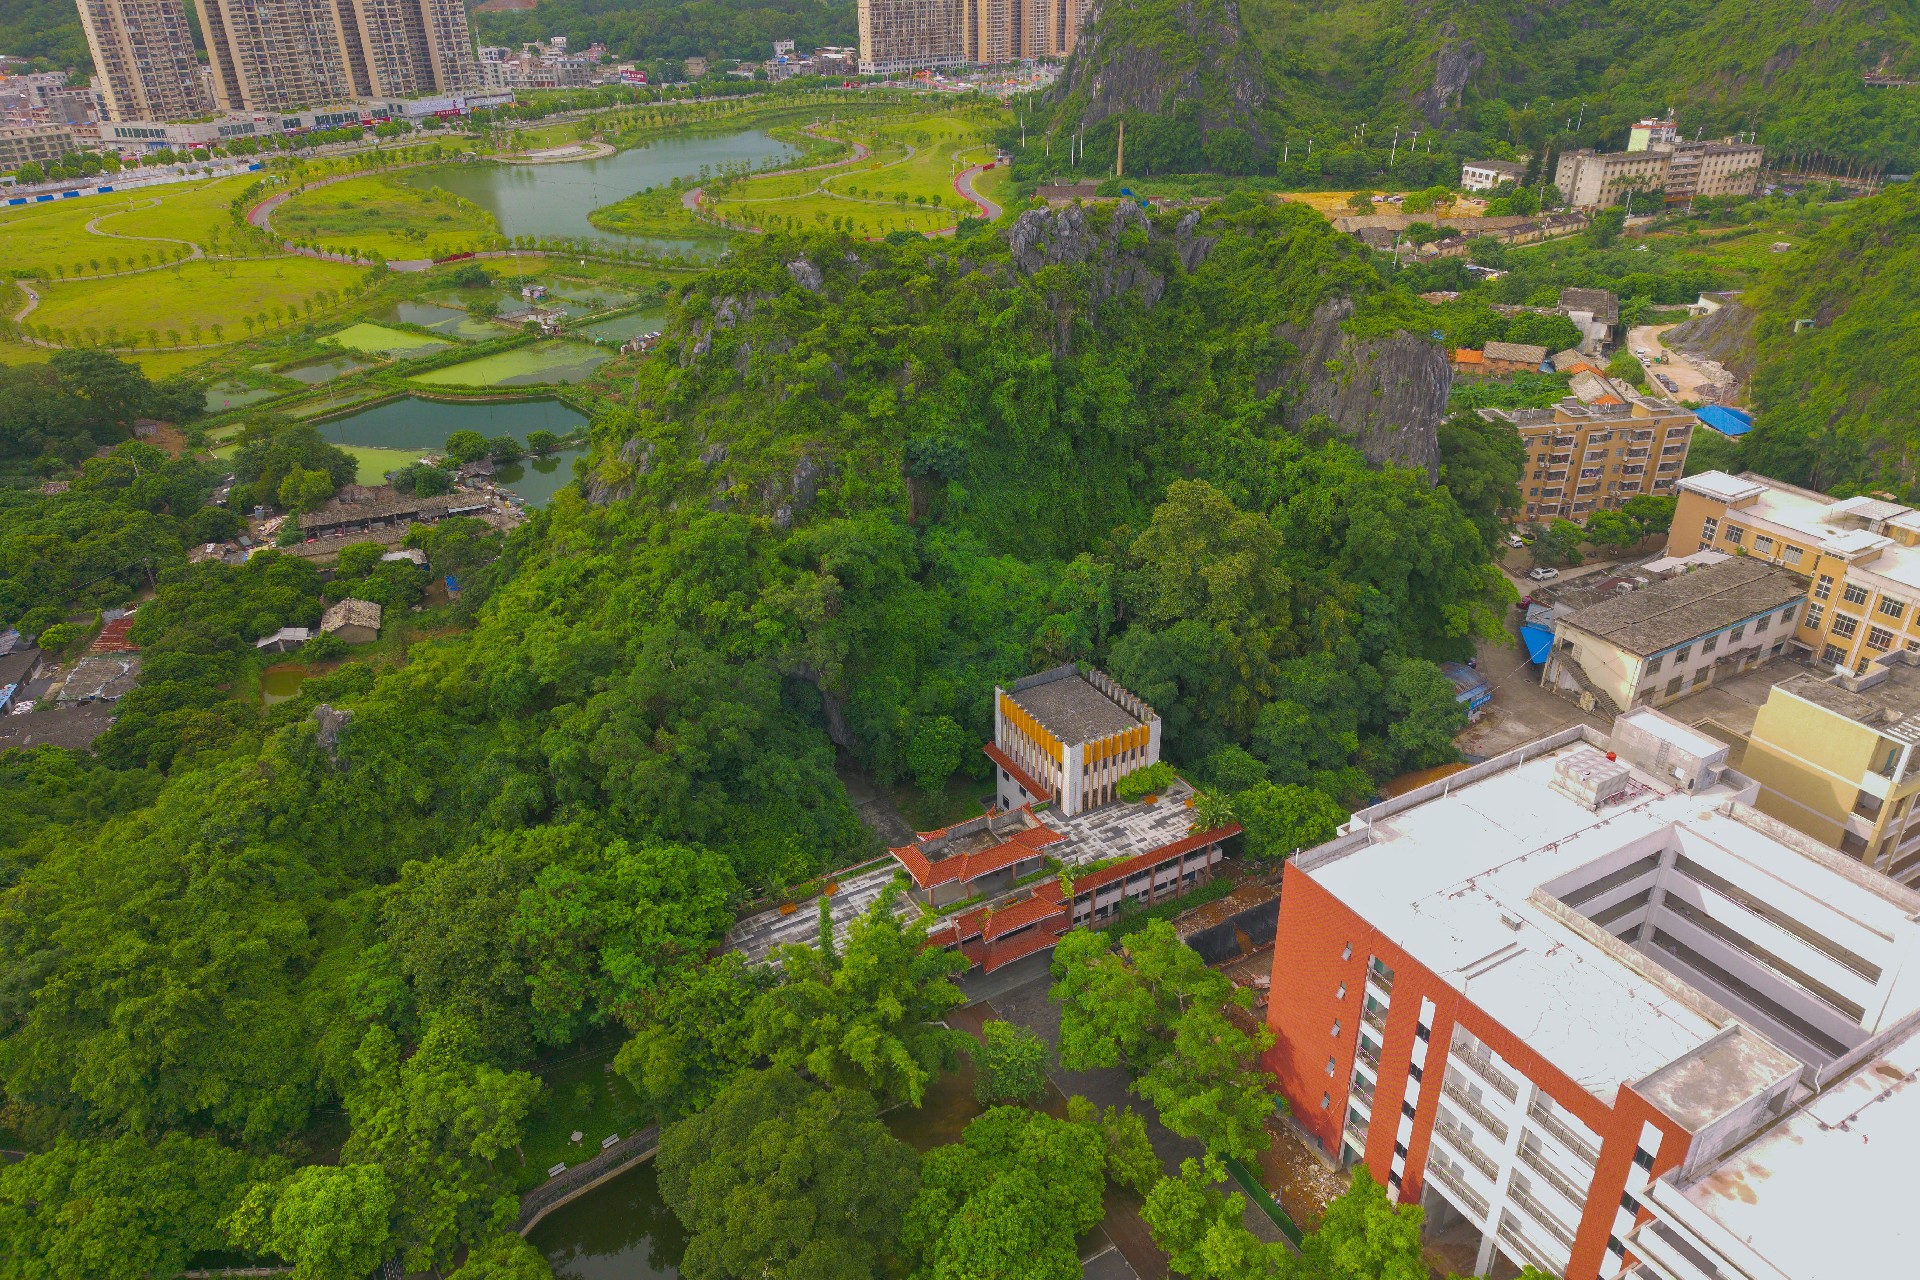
(61, 634)
(324, 648)
(1145, 782)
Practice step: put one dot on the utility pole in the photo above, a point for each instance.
(1395, 153)
(1120, 154)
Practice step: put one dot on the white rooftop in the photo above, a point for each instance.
(1827, 1192)
(1452, 879)
(1837, 526)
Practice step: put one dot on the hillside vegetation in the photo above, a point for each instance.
(1521, 74)
(1839, 403)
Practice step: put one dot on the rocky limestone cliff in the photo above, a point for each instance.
(1149, 56)
(1384, 396)
(1724, 337)
(1456, 63)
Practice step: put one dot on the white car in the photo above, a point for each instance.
(1543, 573)
(1515, 540)
(1641, 352)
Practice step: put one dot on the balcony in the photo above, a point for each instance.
(1469, 1104)
(1483, 1066)
(1456, 1187)
(1524, 1249)
(1380, 975)
(1369, 1055)
(1540, 1163)
(1362, 1089)
(1542, 1114)
(1546, 1221)
(1357, 1135)
(1375, 1015)
(1458, 1138)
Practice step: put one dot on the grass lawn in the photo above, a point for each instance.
(39, 237)
(581, 1096)
(164, 364)
(191, 294)
(185, 211)
(378, 338)
(905, 184)
(386, 219)
(42, 236)
(12, 353)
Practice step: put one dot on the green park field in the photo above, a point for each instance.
(384, 219)
(905, 183)
(191, 296)
(41, 238)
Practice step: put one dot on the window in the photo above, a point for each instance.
(1406, 1109)
(1822, 587)
(1413, 1069)
(1786, 615)
(1854, 593)
(1643, 1158)
(1709, 528)
(1673, 685)
(1733, 636)
(1336, 1027)
(1791, 555)
(1326, 1101)
(1833, 655)
(1844, 625)
(1766, 620)
(1653, 665)
(1894, 609)
(1762, 545)
(1735, 533)
(1701, 676)
(1879, 638)
(1709, 644)
(1333, 1064)
(1341, 994)
(1346, 952)
(1681, 654)
(1814, 613)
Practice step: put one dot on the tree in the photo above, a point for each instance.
(1009, 1198)
(1613, 529)
(1280, 819)
(503, 448)
(692, 1037)
(1365, 1236)
(1560, 544)
(1481, 463)
(1426, 713)
(938, 748)
(504, 1256)
(781, 1177)
(465, 446)
(328, 1220)
(1361, 202)
(1012, 1064)
(128, 1206)
(302, 491)
(1202, 1231)
(271, 446)
(1652, 512)
(542, 441)
(868, 1021)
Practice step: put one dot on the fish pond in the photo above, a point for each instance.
(448, 319)
(229, 394)
(380, 340)
(423, 425)
(551, 361)
(620, 328)
(620, 1230)
(538, 479)
(315, 372)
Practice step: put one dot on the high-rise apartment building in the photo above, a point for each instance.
(922, 35)
(143, 53)
(275, 55)
(1597, 1014)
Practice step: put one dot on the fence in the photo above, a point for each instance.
(586, 1175)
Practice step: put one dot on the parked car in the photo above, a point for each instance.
(1515, 540)
(1543, 573)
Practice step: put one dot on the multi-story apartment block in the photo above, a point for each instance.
(1078, 735)
(21, 143)
(1596, 1013)
(1648, 647)
(1859, 558)
(920, 35)
(275, 55)
(144, 60)
(1679, 171)
(1834, 756)
(1583, 458)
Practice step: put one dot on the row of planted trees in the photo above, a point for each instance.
(266, 320)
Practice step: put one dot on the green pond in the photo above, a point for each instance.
(449, 319)
(554, 360)
(538, 479)
(315, 372)
(620, 1230)
(282, 683)
(418, 424)
(553, 199)
(233, 395)
(620, 328)
(375, 338)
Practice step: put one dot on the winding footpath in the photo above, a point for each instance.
(964, 185)
(690, 201)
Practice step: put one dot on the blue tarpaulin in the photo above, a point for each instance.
(1728, 422)
(1539, 642)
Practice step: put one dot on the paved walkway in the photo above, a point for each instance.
(757, 936)
(964, 185)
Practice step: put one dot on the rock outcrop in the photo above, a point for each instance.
(1385, 396)
(1151, 57)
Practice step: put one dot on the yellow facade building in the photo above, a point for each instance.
(1834, 756)
(1583, 458)
(1068, 738)
(1859, 558)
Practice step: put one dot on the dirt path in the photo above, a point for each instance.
(93, 228)
(1686, 375)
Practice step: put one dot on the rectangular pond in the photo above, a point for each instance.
(552, 361)
(315, 372)
(620, 328)
(380, 340)
(424, 425)
(222, 396)
(449, 319)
